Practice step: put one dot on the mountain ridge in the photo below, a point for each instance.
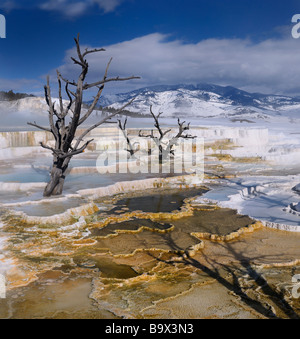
(201, 99)
(229, 92)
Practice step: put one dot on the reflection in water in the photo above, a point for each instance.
(220, 221)
(165, 201)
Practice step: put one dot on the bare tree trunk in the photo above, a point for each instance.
(56, 184)
(161, 155)
(58, 175)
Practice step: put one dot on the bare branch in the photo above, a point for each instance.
(167, 131)
(99, 83)
(78, 49)
(92, 51)
(70, 102)
(57, 152)
(39, 127)
(76, 151)
(74, 95)
(157, 125)
(72, 83)
(51, 108)
(92, 107)
(182, 129)
(159, 114)
(130, 148)
(78, 62)
(103, 121)
(146, 136)
(122, 127)
(59, 92)
(157, 140)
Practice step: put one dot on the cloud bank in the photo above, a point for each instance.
(270, 66)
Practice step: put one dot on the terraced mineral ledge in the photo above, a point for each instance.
(152, 246)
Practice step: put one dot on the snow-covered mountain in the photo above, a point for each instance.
(202, 100)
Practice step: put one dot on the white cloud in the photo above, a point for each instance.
(108, 5)
(75, 8)
(271, 66)
(70, 9)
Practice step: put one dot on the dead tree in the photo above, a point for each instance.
(130, 148)
(67, 144)
(166, 147)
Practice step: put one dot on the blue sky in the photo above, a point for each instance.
(244, 43)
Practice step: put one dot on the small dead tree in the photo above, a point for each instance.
(130, 148)
(67, 144)
(166, 147)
